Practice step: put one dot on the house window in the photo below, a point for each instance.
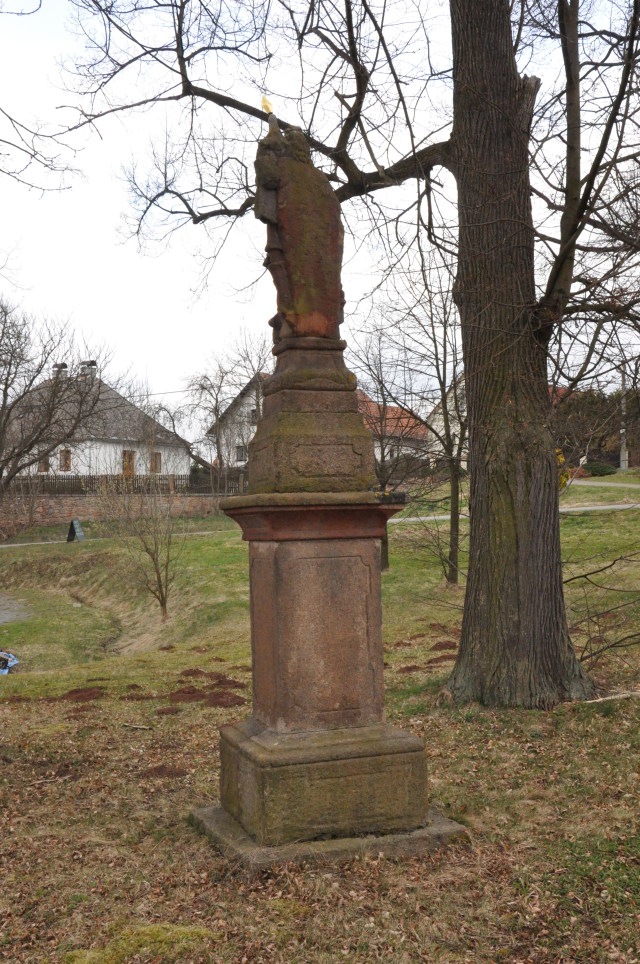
(43, 464)
(241, 453)
(65, 460)
(155, 462)
(254, 416)
(128, 462)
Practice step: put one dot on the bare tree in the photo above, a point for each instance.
(142, 521)
(382, 107)
(47, 392)
(30, 155)
(414, 361)
(143, 516)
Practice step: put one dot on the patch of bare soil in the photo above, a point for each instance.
(445, 658)
(446, 630)
(168, 711)
(186, 694)
(444, 644)
(83, 694)
(412, 668)
(167, 649)
(224, 698)
(164, 771)
(137, 697)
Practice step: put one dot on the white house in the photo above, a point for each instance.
(118, 439)
(236, 426)
(456, 411)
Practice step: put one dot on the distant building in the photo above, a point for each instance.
(400, 440)
(236, 425)
(118, 438)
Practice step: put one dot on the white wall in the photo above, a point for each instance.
(105, 458)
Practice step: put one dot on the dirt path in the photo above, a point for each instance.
(589, 483)
(11, 609)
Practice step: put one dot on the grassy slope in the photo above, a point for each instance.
(436, 501)
(98, 863)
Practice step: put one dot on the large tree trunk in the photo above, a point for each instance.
(515, 648)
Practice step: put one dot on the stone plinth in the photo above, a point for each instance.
(236, 844)
(301, 786)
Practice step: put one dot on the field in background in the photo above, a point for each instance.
(109, 737)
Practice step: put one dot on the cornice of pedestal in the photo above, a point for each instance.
(286, 516)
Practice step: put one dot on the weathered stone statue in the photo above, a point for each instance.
(304, 236)
(315, 759)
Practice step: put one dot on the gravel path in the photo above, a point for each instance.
(11, 609)
(590, 483)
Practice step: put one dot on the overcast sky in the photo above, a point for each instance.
(68, 256)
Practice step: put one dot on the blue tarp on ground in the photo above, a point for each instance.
(7, 660)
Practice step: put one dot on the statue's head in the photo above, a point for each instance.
(297, 147)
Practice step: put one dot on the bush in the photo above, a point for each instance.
(599, 468)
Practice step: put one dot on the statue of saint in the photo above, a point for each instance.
(304, 236)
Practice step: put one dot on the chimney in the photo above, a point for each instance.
(60, 370)
(88, 370)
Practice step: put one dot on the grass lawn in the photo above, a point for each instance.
(109, 738)
(98, 530)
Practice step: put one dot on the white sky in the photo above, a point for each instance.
(68, 257)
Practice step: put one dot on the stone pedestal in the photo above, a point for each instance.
(316, 759)
(301, 786)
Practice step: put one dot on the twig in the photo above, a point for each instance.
(48, 780)
(137, 726)
(616, 696)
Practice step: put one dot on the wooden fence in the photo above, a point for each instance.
(230, 482)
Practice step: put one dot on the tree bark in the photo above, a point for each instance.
(453, 559)
(384, 550)
(515, 648)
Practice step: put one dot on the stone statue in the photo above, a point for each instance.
(304, 236)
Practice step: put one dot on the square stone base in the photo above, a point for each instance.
(289, 787)
(236, 844)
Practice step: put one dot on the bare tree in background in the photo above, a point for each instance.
(145, 521)
(399, 439)
(414, 361)
(383, 107)
(47, 393)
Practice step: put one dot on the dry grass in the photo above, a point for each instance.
(98, 863)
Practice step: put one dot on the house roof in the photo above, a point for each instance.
(117, 418)
(258, 378)
(392, 421)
